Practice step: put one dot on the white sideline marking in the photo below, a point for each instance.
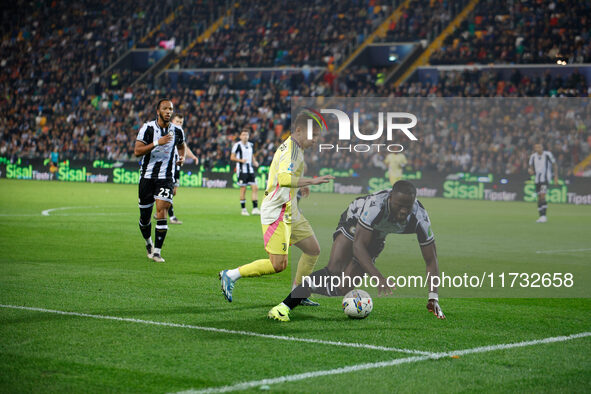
(306, 375)
(382, 364)
(562, 251)
(223, 330)
(48, 211)
(91, 214)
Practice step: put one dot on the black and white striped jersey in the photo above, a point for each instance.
(244, 151)
(160, 162)
(542, 165)
(372, 212)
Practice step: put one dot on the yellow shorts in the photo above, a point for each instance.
(279, 235)
(300, 230)
(276, 237)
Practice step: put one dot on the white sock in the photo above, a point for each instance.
(156, 250)
(149, 241)
(234, 274)
(285, 305)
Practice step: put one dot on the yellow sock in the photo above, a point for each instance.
(257, 268)
(305, 267)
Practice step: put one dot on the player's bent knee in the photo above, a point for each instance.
(280, 266)
(279, 263)
(315, 250)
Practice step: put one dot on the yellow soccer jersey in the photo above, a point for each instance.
(395, 162)
(287, 167)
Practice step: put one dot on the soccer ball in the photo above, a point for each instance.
(357, 304)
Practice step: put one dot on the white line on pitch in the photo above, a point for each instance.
(307, 375)
(48, 211)
(224, 331)
(91, 214)
(381, 364)
(563, 251)
(505, 346)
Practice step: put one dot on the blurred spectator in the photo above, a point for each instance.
(273, 33)
(527, 31)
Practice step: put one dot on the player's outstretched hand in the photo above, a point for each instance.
(433, 306)
(165, 140)
(181, 161)
(384, 289)
(322, 179)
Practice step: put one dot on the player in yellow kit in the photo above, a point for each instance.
(395, 163)
(281, 220)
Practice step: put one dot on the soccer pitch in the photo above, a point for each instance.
(84, 310)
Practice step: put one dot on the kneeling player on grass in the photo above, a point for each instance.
(359, 239)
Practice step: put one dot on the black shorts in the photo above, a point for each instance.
(246, 179)
(542, 187)
(154, 189)
(175, 176)
(348, 228)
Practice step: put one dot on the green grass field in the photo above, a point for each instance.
(88, 258)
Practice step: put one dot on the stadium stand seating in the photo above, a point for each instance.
(47, 66)
(527, 32)
(272, 33)
(51, 52)
(423, 20)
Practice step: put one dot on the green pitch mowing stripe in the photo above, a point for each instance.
(91, 258)
(222, 330)
(362, 367)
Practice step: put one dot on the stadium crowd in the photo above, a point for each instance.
(48, 108)
(423, 20)
(464, 83)
(52, 53)
(528, 31)
(479, 134)
(57, 48)
(274, 33)
(105, 126)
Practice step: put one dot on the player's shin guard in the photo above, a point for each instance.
(542, 206)
(318, 282)
(257, 268)
(243, 204)
(145, 222)
(305, 267)
(170, 212)
(255, 204)
(296, 296)
(160, 233)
